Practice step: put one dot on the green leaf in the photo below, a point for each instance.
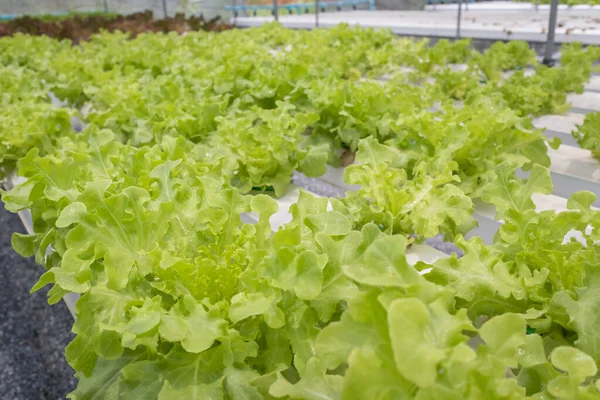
(503, 335)
(532, 352)
(369, 377)
(582, 316)
(309, 278)
(509, 192)
(244, 305)
(23, 244)
(576, 363)
(316, 385)
(422, 336)
(330, 223)
(479, 275)
(192, 325)
(104, 381)
(384, 264)
(211, 391)
(588, 134)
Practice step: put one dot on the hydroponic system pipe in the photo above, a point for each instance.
(549, 51)
(458, 19)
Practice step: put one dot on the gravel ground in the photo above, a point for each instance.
(33, 334)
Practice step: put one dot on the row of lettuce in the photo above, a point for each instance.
(229, 91)
(81, 26)
(180, 298)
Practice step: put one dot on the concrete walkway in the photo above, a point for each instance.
(508, 6)
(574, 25)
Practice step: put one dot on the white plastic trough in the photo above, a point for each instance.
(70, 298)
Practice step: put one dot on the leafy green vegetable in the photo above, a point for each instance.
(143, 213)
(503, 57)
(424, 205)
(588, 134)
(25, 126)
(268, 147)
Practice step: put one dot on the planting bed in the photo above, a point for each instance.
(205, 272)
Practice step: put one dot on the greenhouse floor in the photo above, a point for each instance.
(530, 25)
(33, 334)
(505, 6)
